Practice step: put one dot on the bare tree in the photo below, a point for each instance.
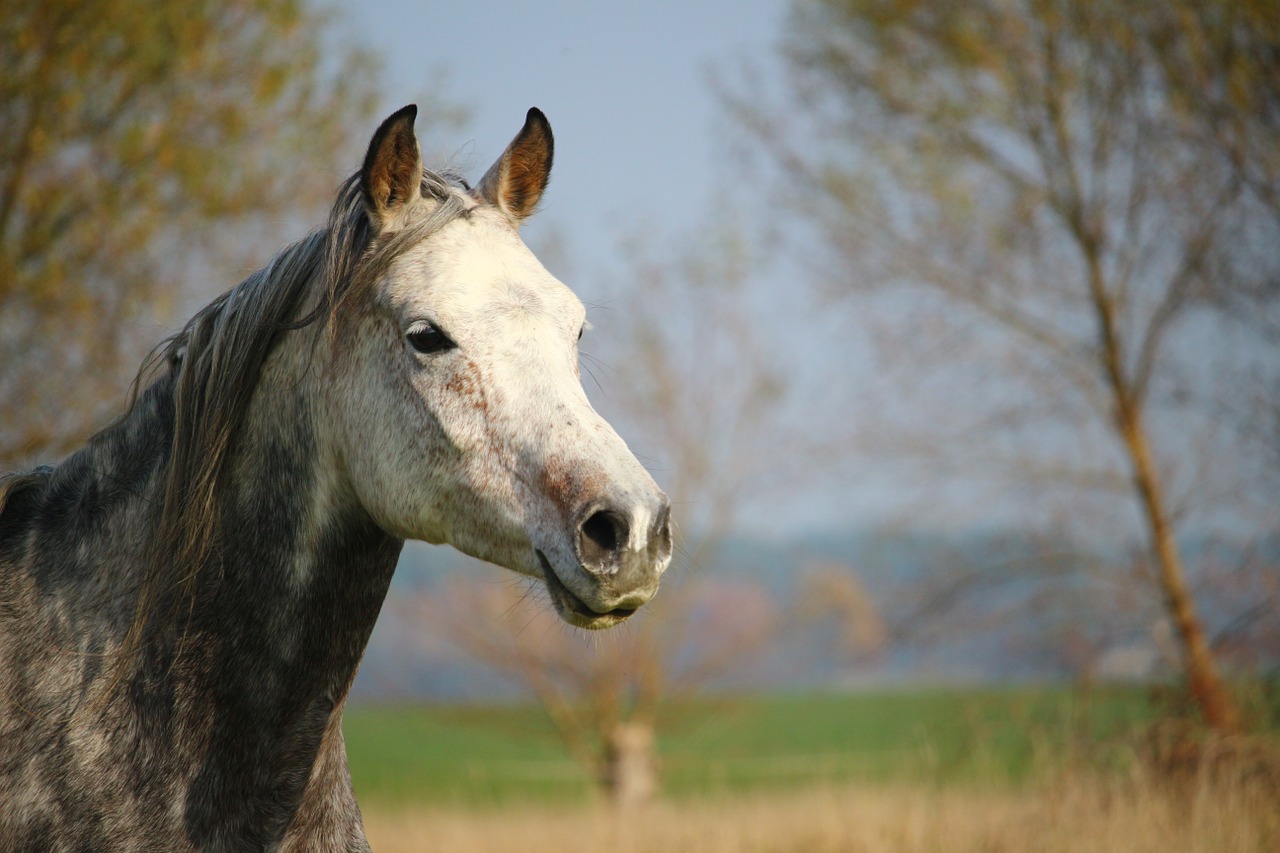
(1053, 185)
(605, 696)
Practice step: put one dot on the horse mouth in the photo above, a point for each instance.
(573, 609)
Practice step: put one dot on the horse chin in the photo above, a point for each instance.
(573, 609)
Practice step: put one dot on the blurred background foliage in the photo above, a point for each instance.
(145, 144)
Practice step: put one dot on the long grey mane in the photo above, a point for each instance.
(206, 375)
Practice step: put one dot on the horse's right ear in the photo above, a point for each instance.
(515, 183)
(392, 173)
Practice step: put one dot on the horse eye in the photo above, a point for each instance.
(427, 339)
(580, 331)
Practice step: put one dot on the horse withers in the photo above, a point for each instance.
(184, 601)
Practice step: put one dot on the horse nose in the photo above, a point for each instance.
(604, 537)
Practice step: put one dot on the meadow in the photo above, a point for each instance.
(481, 756)
(920, 770)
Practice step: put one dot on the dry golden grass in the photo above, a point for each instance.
(1075, 814)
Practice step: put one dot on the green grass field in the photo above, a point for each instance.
(501, 755)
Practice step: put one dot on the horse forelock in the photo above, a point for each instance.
(350, 285)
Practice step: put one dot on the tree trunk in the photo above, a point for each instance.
(630, 773)
(1207, 688)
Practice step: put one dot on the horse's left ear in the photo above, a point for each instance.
(392, 173)
(514, 184)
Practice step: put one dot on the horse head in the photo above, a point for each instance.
(454, 400)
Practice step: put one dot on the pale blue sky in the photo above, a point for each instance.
(625, 86)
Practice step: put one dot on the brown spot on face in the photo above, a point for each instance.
(565, 490)
(467, 384)
(556, 483)
(462, 384)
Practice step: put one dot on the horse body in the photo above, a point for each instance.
(184, 601)
(215, 737)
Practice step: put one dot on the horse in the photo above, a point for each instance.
(184, 600)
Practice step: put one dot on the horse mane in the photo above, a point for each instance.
(212, 368)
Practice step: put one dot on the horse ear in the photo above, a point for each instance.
(514, 184)
(392, 173)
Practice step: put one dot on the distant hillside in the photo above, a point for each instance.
(978, 607)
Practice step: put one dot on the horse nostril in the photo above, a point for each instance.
(600, 537)
(660, 536)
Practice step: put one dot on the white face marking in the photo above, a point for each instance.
(490, 443)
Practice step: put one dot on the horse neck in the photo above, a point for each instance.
(280, 617)
(299, 571)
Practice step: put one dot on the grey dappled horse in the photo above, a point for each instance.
(184, 601)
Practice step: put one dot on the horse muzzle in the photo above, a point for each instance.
(619, 557)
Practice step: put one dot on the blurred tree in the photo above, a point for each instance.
(142, 140)
(833, 592)
(1070, 191)
(606, 695)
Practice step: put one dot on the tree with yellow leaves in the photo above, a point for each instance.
(142, 142)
